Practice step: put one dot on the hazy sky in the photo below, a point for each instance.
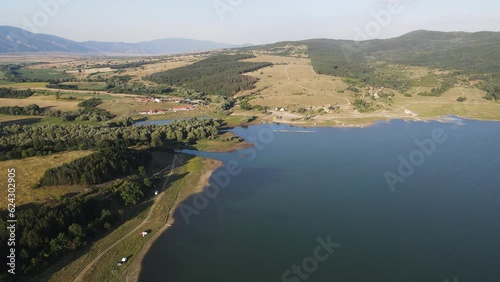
(246, 21)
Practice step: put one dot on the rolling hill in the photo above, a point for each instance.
(468, 52)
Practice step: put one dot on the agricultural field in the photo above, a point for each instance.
(44, 74)
(22, 85)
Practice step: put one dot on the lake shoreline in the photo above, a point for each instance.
(133, 274)
(368, 124)
(261, 188)
(209, 166)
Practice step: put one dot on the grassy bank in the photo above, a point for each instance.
(222, 144)
(190, 176)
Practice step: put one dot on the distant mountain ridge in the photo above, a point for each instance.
(472, 52)
(17, 40)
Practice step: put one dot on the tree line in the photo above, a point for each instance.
(17, 94)
(110, 161)
(492, 88)
(18, 141)
(30, 110)
(87, 111)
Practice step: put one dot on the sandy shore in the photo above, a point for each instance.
(195, 182)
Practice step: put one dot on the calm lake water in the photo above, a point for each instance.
(306, 186)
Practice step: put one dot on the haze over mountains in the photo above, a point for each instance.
(17, 40)
(453, 50)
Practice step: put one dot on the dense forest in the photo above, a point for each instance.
(38, 140)
(18, 94)
(217, 75)
(47, 233)
(107, 163)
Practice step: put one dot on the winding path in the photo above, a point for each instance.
(286, 72)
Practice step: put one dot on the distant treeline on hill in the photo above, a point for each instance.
(17, 94)
(126, 65)
(473, 54)
(217, 75)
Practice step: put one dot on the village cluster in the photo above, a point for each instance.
(185, 105)
(374, 91)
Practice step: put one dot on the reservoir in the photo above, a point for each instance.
(397, 201)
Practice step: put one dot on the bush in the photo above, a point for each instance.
(362, 106)
(91, 103)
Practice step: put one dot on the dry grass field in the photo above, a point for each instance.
(292, 81)
(42, 101)
(30, 170)
(475, 107)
